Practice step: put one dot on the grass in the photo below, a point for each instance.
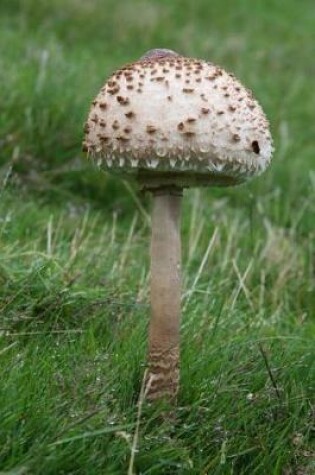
(74, 263)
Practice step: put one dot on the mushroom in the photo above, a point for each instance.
(173, 122)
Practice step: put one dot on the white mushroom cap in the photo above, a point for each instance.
(178, 120)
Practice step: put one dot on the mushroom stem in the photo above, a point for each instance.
(163, 374)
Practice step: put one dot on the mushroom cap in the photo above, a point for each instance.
(169, 119)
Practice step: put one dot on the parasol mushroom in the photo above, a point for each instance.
(173, 122)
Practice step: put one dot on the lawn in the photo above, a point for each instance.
(74, 298)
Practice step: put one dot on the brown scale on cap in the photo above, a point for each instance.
(236, 138)
(102, 123)
(113, 91)
(158, 79)
(255, 146)
(151, 129)
(102, 105)
(130, 115)
(103, 138)
(123, 101)
(180, 126)
(112, 83)
(187, 90)
(122, 138)
(189, 133)
(115, 125)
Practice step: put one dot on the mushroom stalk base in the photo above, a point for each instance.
(163, 373)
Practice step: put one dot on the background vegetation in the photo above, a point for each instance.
(74, 264)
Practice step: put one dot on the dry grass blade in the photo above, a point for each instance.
(145, 387)
(242, 286)
(187, 296)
